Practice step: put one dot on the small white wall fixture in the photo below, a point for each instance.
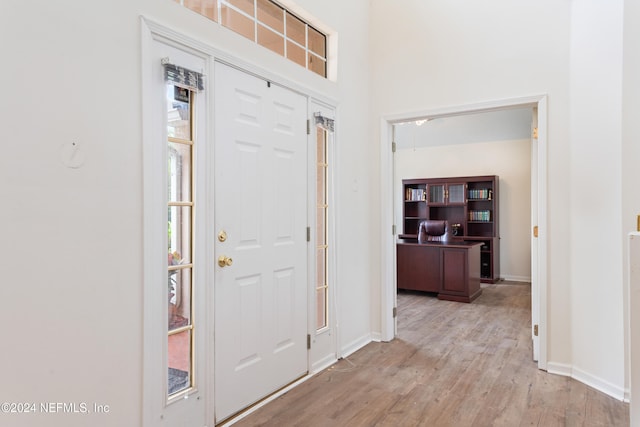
(388, 268)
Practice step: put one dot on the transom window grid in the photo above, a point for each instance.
(269, 25)
(180, 233)
(322, 231)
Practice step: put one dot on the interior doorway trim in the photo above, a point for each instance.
(388, 267)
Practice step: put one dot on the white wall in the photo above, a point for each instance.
(511, 161)
(355, 215)
(464, 52)
(596, 196)
(630, 146)
(72, 252)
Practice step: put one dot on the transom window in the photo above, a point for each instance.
(271, 26)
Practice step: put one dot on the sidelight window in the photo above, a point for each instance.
(324, 131)
(180, 208)
(322, 247)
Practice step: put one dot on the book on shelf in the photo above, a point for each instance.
(480, 216)
(480, 194)
(415, 194)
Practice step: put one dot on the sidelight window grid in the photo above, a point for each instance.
(322, 232)
(270, 25)
(180, 238)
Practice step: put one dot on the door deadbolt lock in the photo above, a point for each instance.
(222, 236)
(224, 261)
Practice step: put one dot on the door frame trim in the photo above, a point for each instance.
(216, 54)
(152, 31)
(388, 267)
(330, 335)
(156, 407)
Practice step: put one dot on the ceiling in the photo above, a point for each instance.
(503, 125)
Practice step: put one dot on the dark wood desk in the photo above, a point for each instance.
(452, 270)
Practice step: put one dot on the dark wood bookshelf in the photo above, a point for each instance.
(469, 204)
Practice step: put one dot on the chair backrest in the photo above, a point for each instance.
(434, 230)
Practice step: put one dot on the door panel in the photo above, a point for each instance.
(260, 202)
(454, 270)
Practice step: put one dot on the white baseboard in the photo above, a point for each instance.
(509, 278)
(598, 383)
(355, 345)
(559, 369)
(322, 364)
(590, 380)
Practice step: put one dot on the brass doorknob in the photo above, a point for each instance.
(224, 261)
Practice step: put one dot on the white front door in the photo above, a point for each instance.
(260, 217)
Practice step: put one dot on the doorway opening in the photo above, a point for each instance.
(538, 211)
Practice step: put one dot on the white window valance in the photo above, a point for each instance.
(182, 77)
(324, 122)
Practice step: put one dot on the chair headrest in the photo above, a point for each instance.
(433, 230)
(435, 227)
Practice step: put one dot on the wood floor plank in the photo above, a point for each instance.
(452, 364)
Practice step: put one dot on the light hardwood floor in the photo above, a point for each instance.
(452, 364)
